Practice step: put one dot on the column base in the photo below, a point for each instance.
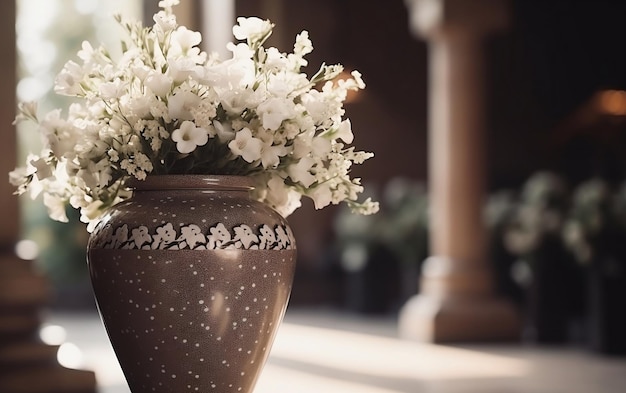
(27, 365)
(437, 319)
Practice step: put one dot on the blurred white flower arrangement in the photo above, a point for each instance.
(166, 107)
(538, 214)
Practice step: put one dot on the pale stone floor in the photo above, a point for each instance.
(333, 352)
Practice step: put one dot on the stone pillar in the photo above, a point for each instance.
(26, 364)
(218, 18)
(457, 300)
(10, 212)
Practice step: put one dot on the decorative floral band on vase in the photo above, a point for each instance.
(192, 237)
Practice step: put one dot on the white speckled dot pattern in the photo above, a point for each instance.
(184, 318)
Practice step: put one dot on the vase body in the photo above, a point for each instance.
(192, 279)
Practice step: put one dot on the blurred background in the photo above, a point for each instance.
(555, 197)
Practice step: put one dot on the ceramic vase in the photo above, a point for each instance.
(192, 279)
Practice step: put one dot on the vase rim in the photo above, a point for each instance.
(193, 182)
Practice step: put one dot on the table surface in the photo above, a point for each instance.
(331, 351)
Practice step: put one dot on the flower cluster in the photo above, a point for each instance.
(538, 214)
(595, 225)
(166, 107)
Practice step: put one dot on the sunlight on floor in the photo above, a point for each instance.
(320, 352)
(276, 379)
(334, 352)
(386, 357)
(319, 358)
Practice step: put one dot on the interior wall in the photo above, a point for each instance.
(389, 116)
(550, 61)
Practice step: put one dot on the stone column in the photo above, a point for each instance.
(10, 212)
(218, 18)
(26, 364)
(457, 300)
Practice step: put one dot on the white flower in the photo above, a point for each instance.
(162, 91)
(271, 154)
(56, 207)
(42, 169)
(140, 106)
(274, 111)
(113, 155)
(112, 90)
(19, 178)
(316, 105)
(303, 45)
(224, 131)
(320, 147)
(281, 197)
(168, 4)
(181, 68)
(188, 137)
(203, 113)
(68, 81)
(280, 84)
(358, 79)
(275, 60)
(160, 84)
(235, 102)
(164, 21)
(183, 43)
(90, 213)
(181, 103)
(141, 71)
(246, 146)
(322, 196)
(86, 53)
(26, 111)
(59, 136)
(252, 28)
(344, 132)
(300, 172)
(366, 208)
(302, 146)
(241, 52)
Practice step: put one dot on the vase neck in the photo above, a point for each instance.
(193, 182)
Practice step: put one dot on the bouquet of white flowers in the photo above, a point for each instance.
(166, 107)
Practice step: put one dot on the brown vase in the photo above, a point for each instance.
(192, 278)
